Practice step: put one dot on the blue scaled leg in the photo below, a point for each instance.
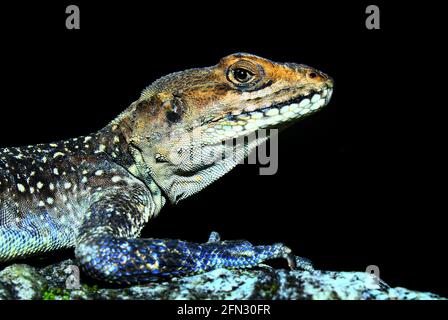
(108, 248)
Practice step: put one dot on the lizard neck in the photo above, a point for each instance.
(179, 174)
(113, 140)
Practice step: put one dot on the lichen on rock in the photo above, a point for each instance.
(22, 281)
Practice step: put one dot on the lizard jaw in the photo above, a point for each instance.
(237, 125)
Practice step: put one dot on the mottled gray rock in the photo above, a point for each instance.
(20, 281)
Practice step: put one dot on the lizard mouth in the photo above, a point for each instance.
(234, 124)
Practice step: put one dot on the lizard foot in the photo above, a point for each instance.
(304, 263)
(240, 253)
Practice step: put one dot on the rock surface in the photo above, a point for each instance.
(58, 281)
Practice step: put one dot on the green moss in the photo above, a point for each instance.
(271, 290)
(89, 289)
(56, 294)
(65, 294)
(48, 295)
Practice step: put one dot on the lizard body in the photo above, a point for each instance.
(95, 193)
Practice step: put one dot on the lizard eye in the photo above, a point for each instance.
(242, 75)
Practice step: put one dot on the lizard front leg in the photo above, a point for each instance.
(108, 250)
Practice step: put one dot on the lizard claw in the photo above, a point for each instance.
(214, 237)
(296, 262)
(290, 258)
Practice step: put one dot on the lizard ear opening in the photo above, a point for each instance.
(174, 110)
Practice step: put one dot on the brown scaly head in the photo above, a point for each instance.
(181, 126)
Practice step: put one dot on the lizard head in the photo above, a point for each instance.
(182, 123)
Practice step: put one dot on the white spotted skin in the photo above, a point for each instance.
(46, 190)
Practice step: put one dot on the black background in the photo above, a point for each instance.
(362, 182)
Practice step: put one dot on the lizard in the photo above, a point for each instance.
(95, 193)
